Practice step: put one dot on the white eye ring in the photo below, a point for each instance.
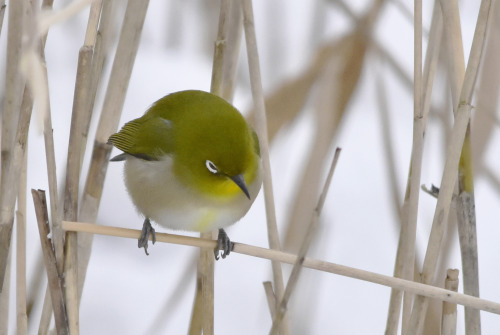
(211, 167)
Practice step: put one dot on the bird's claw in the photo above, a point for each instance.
(147, 230)
(224, 244)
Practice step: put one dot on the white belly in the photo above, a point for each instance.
(162, 198)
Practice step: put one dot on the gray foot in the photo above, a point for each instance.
(224, 244)
(147, 230)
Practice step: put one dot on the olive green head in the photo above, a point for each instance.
(214, 150)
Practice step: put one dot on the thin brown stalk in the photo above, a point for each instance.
(11, 103)
(297, 266)
(449, 315)
(261, 127)
(54, 277)
(450, 173)
(283, 257)
(22, 318)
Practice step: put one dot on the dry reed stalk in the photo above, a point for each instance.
(283, 257)
(220, 47)
(234, 30)
(100, 14)
(206, 277)
(203, 306)
(57, 232)
(22, 317)
(54, 276)
(10, 113)
(45, 110)
(111, 111)
(465, 205)
(449, 316)
(431, 60)
(82, 112)
(196, 323)
(73, 168)
(409, 226)
(261, 128)
(450, 172)
(297, 266)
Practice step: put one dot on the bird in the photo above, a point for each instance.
(192, 163)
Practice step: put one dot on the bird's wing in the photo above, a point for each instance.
(147, 138)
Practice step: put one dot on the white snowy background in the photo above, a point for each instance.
(128, 293)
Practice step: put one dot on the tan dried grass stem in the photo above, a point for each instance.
(54, 277)
(311, 231)
(73, 168)
(261, 127)
(450, 173)
(283, 257)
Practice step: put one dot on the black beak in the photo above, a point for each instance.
(240, 181)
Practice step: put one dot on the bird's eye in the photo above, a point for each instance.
(211, 167)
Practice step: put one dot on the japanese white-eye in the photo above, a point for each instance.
(192, 163)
